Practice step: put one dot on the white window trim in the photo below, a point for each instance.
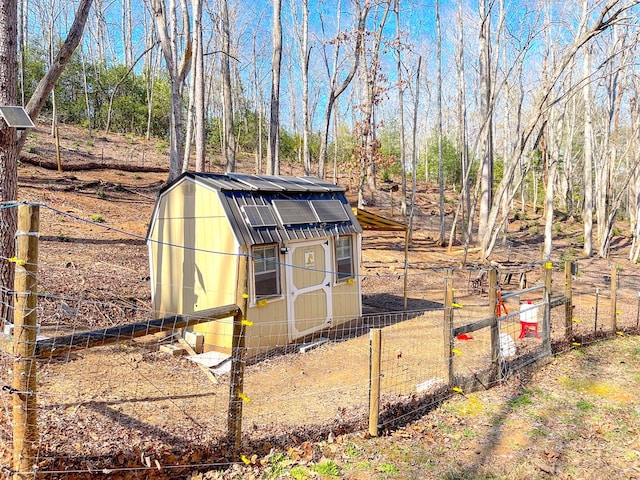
(336, 278)
(254, 297)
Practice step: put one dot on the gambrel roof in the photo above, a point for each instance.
(277, 209)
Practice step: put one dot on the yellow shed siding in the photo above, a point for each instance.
(269, 327)
(346, 302)
(193, 249)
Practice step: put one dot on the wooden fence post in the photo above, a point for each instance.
(236, 377)
(492, 279)
(448, 325)
(25, 422)
(568, 306)
(375, 356)
(614, 298)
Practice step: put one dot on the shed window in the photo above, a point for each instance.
(266, 271)
(344, 258)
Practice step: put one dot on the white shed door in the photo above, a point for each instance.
(308, 273)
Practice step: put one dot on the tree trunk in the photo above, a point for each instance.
(414, 148)
(403, 166)
(170, 41)
(442, 231)
(306, 120)
(464, 205)
(8, 156)
(273, 154)
(486, 164)
(199, 100)
(127, 32)
(229, 128)
(22, 46)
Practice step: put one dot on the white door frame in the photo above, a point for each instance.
(293, 293)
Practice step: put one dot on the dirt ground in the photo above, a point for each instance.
(94, 273)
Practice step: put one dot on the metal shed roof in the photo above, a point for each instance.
(287, 199)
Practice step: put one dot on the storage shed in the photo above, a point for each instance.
(288, 246)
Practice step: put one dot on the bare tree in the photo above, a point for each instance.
(587, 204)
(273, 154)
(177, 58)
(229, 134)
(127, 33)
(370, 75)
(442, 231)
(336, 89)
(634, 187)
(305, 53)
(486, 114)
(403, 166)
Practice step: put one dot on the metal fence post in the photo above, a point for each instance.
(25, 422)
(448, 324)
(614, 298)
(375, 351)
(546, 325)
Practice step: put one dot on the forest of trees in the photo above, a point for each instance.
(518, 105)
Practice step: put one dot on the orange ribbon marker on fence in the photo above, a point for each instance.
(500, 306)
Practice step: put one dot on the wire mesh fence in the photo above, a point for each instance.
(137, 404)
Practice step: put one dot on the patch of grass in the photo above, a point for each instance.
(352, 450)
(277, 466)
(162, 146)
(557, 228)
(97, 218)
(100, 193)
(568, 255)
(299, 473)
(328, 467)
(469, 433)
(522, 400)
(63, 237)
(585, 406)
(388, 469)
(119, 187)
(538, 431)
(363, 465)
